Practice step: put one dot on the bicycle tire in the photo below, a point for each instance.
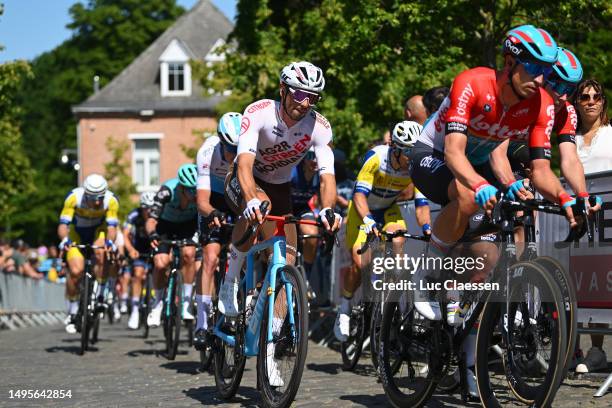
(396, 325)
(228, 376)
(491, 318)
(95, 328)
(352, 348)
(84, 312)
(146, 306)
(375, 324)
(174, 332)
(285, 344)
(570, 298)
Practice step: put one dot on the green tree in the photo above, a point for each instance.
(376, 53)
(106, 36)
(117, 173)
(15, 168)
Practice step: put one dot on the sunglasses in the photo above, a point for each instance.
(299, 96)
(94, 198)
(534, 69)
(585, 97)
(561, 88)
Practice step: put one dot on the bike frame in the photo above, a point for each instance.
(278, 243)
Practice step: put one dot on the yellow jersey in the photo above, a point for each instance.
(77, 212)
(380, 182)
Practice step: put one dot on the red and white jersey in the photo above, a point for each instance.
(566, 122)
(278, 148)
(474, 109)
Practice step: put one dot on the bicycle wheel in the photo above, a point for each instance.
(280, 363)
(406, 355)
(570, 300)
(229, 360)
(174, 317)
(206, 355)
(145, 306)
(532, 342)
(358, 329)
(375, 324)
(95, 328)
(84, 312)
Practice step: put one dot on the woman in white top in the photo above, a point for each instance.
(594, 133)
(594, 144)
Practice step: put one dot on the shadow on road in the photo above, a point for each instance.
(366, 400)
(246, 396)
(329, 368)
(143, 352)
(183, 367)
(69, 349)
(78, 340)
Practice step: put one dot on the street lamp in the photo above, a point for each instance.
(69, 159)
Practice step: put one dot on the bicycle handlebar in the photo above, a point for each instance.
(389, 236)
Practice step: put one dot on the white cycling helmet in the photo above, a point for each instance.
(406, 133)
(303, 75)
(228, 128)
(95, 185)
(147, 199)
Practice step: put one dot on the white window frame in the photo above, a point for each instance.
(147, 158)
(175, 53)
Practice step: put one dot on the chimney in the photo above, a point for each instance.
(96, 84)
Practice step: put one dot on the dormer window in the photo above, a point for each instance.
(175, 71)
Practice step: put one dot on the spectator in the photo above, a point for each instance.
(5, 251)
(52, 266)
(345, 181)
(432, 99)
(415, 110)
(594, 144)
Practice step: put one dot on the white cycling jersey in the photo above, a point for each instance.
(212, 167)
(277, 148)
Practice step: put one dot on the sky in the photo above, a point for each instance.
(30, 27)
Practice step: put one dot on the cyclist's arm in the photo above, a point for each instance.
(545, 181)
(360, 200)
(63, 229)
(364, 183)
(421, 207)
(203, 200)
(111, 233)
(328, 190)
(112, 218)
(571, 167)
(204, 159)
(501, 165)
(127, 229)
(248, 187)
(457, 161)
(162, 197)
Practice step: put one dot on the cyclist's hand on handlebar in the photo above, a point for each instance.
(330, 219)
(252, 212)
(426, 229)
(566, 201)
(517, 191)
(134, 254)
(215, 219)
(154, 240)
(65, 244)
(110, 245)
(369, 225)
(593, 203)
(485, 195)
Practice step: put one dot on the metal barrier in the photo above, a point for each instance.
(28, 302)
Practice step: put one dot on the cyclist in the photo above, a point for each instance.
(304, 188)
(275, 136)
(92, 211)
(383, 177)
(213, 161)
(138, 248)
(484, 109)
(173, 216)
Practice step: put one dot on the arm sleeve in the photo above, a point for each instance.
(163, 196)
(203, 161)
(462, 97)
(68, 209)
(419, 198)
(539, 132)
(322, 138)
(112, 212)
(365, 178)
(253, 120)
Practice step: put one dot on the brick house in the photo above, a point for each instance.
(154, 103)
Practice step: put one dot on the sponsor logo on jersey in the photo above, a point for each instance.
(573, 118)
(258, 106)
(502, 132)
(487, 107)
(464, 98)
(550, 112)
(244, 125)
(520, 112)
(432, 163)
(281, 155)
(322, 121)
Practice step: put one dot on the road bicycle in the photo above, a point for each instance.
(524, 321)
(282, 294)
(146, 296)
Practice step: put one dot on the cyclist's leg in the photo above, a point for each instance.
(309, 245)
(138, 276)
(161, 261)
(76, 266)
(205, 287)
(188, 271)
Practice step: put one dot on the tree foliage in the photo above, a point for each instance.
(117, 173)
(106, 36)
(377, 53)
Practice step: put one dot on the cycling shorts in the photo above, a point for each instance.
(430, 174)
(355, 234)
(175, 230)
(279, 194)
(85, 236)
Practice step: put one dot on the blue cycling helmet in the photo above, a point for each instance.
(228, 129)
(188, 175)
(530, 43)
(568, 67)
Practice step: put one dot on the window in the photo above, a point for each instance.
(176, 77)
(145, 162)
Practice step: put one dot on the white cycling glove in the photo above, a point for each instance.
(323, 217)
(251, 206)
(368, 224)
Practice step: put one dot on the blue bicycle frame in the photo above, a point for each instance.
(278, 243)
